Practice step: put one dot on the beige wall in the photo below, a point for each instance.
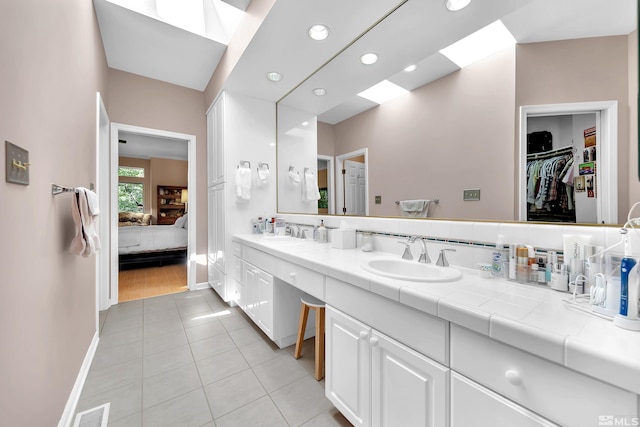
(458, 132)
(140, 101)
(599, 70)
(634, 180)
(52, 65)
(326, 139)
(168, 172)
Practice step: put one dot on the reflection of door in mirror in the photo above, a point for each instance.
(355, 186)
(568, 164)
(323, 187)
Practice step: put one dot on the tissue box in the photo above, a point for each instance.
(343, 238)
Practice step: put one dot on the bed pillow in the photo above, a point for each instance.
(133, 218)
(181, 222)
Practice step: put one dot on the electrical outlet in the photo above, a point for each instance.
(471, 195)
(378, 200)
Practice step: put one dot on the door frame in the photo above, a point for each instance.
(330, 182)
(340, 184)
(112, 165)
(102, 186)
(607, 137)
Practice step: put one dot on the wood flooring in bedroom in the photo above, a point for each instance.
(152, 281)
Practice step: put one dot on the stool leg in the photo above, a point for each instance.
(302, 325)
(319, 343)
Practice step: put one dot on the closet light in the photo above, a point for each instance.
(318, 32)
(383, 92)
(476, 46)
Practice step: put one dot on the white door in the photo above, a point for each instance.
(474, 405)
(215, 143)
(347, 366)
(407, 389)
(355, 187)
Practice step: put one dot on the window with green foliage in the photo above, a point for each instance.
(130, 192)
(130, 197)
(323, 202)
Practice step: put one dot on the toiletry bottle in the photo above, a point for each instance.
(497, 259)
(560, 278)
(512, 261)
(552, 258)
(522, 268)
(322, 232)
(542, 273)
(533, 273)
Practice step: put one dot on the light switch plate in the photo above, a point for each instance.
(378, 200)
(471, 194)
(17, 164)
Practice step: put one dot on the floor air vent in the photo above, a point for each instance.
(94, 417)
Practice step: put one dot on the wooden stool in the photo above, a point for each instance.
(307, 302)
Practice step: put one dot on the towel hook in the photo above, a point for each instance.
(261, 164)
(244, 163)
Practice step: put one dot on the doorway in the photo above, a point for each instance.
(590, 131)
(352, 196)
(190, 222)
(326, 185)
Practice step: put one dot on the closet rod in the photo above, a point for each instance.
(551, 153)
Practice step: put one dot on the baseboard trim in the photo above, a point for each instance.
(72, 403)
(202, 285)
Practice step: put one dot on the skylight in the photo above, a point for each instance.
(476, 46)
(383, 92)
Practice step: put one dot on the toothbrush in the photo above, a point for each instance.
(627, 264)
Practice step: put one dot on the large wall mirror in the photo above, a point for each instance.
(460, 141)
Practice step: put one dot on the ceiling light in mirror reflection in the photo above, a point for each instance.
(455, 5)
(319, 91)
(369, 58)
(479, 45)
(318, 32)
(411, 68)
(274, 77)
(383, 92)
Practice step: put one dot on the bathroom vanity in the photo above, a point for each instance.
(476, 351)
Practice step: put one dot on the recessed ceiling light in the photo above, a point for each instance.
(369, 58)
(383, 92)
(410, 68)
(274, 77)
(484, 42)
(318, 32)
(319, 92)
(305, 123)
(455, 5)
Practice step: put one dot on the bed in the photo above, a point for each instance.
(141, 244)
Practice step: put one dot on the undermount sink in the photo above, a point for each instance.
(401, 269)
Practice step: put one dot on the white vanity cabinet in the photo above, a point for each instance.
(376, 381)
(257, 297)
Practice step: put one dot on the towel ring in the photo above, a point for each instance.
(260, 165)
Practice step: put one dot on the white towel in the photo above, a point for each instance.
(243, 183)
(92, 200)
(415, 208)
(263, 174)
(311, 191)
(294, 177)
(86, 241)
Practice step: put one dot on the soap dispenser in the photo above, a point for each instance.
(322, 232)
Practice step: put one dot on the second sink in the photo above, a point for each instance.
(411, 270)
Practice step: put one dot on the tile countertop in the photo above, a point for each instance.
(532, 318)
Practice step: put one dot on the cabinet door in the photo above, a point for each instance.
(217, 227)
(407, 388)
(264, 303)
(215, 143)
(249, 297)
(474, 405)
(347, 366)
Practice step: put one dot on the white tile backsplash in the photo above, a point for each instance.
(539, 235)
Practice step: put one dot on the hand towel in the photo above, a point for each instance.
(294, 177)
(92, 200)
(86, 241)
(78, 244)
(243, 183)
(263, 174)
(311, 191)
(415, 208)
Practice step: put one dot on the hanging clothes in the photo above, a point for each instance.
(550, 184)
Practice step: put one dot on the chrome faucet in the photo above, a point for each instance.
(407, 250)
(424, 256)
(442, 259)
(290, 227)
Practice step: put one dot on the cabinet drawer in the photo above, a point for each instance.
(306, 280)
(553, 391)
(474, 405)
(236, 249)
(258, 258)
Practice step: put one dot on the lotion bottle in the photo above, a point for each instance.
(322, 232)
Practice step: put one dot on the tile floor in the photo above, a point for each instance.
(188, 359)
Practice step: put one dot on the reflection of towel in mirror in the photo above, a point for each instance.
(263, 174)
(311, 191)
(415, 208)
(294, 177)
(243, 183)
